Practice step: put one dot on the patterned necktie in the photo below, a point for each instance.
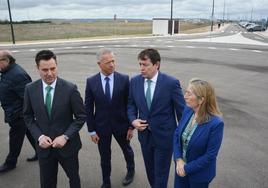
(107, 88)
(48, 100)
(148, 94)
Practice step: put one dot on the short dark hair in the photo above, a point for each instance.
(44, 55)
(151, 54)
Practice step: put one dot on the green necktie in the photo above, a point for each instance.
(148, 94)
(48, 100)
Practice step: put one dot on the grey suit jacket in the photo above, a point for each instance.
(67, 115)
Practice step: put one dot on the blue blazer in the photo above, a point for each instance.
(167, 105)
(202, 149)
(104, 116)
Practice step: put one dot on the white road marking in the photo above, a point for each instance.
(259, 38)
(32, 50)
(212, 48)
(190, 47)
(233, 49)
(258, 51)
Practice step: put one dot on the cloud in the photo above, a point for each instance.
(148, 9)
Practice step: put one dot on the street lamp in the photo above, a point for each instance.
(11, 23)
(212, 16)
(223, 14)
(171, 17)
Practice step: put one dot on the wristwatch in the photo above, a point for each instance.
(66, 137)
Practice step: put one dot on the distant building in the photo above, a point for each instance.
(162, 26)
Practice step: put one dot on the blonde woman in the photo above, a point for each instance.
(198, 137)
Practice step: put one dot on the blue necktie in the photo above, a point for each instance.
(107, 88)
(148, 95)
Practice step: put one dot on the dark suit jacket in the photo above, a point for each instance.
(167, 105)
(67, 115)
(104, 116)
(202, 149)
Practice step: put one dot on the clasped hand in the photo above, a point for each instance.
(58, 142)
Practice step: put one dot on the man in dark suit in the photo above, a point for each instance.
(155, 102)
(54, 113)
(106, 106)
(12, 84)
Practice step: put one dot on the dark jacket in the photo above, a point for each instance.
(103, 116)
(12, 84)
(67, 115)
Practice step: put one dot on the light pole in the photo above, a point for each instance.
(171, 17)
(212, 16)
(11, 23)
(223, 14)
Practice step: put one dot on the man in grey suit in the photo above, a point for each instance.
(54, 114)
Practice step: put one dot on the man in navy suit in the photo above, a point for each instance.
(106, 107)
(155, 102)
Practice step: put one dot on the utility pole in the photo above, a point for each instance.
(212, 16)
(171, 17)
(223, 14)
(11, 22)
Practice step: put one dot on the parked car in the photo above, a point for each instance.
(255, 27)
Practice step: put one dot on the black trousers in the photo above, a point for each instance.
(17, 132)
(104, 146)
(49, 169)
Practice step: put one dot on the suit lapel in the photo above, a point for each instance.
(184, 121)
(116, 81)
(142, 94)
(41, 98)
(57, 96)
(198, 131)
(157, 90)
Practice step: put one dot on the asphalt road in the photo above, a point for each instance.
(237, 71)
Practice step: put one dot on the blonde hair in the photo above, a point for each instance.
(209, 106)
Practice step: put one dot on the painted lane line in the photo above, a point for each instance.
(258, 51)
(212, 48)
(190, 47)
(32, 50)
(233, 49)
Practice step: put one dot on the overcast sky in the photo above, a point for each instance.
(141, 9)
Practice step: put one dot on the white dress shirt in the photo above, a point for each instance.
(153, 84)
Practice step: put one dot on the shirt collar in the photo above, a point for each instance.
(104, 76)
(153, 79)
(53, 85)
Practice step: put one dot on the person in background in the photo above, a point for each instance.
(154, 106)
(106, 99)
(198, 138)
(54, 113)
(12, 84)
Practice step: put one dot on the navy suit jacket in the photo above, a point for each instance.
(104, 116)
(167, 106)
(202, 149)
(67, 115)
